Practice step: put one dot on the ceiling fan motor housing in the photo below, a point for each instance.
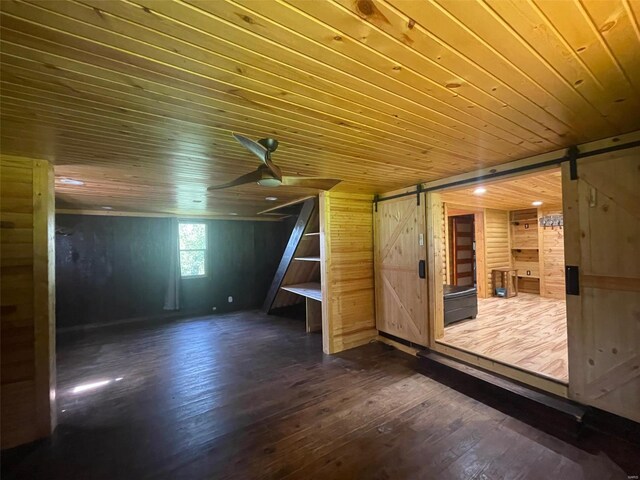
(271, 144)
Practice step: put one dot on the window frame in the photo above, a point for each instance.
(205, 249)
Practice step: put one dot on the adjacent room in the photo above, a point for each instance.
(319, 239)
(504, 292)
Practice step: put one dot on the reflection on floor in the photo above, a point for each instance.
(528, 331)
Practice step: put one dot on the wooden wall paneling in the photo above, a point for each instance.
(541, 261)
(552, 282)
(497, 243)
(346, 252)
(400, 245)
(526, 261)
(601, 234)
(446, 235)
(524, 229)
(44, 295)
(435, 249)
(313, 315)
(28, 300)
(114, 268)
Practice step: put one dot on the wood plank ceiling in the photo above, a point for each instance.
(138, 98)
(512, 194)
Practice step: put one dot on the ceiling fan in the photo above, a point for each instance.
(270, 175)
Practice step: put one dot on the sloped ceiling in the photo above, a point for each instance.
(138, 99)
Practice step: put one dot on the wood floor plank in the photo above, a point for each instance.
(528, 331)
(252, 396)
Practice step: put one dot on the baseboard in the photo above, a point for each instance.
(174, 315)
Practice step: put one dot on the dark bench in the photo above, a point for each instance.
(459, 303)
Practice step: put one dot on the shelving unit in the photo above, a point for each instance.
(298, 276)
(525, 253)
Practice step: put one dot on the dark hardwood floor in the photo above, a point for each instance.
(246, 396)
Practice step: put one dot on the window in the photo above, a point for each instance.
(193, 249)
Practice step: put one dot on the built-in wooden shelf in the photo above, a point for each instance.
(308, 259)
(528, 276)
(312, 234)
(309, 290)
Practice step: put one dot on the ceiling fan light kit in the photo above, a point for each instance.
(269, 174)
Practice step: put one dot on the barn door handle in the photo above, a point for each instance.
(572, 279)
(421, 269)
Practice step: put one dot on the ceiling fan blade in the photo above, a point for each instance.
(310, 182)
(254, 147)
(252, 177)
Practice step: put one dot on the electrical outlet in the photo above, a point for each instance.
(230, 299)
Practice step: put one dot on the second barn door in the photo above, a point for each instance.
(601, 235)
(400, 268)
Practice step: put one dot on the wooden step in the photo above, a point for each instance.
(565, 406)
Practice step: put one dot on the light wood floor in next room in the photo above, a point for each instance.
(250, 396)
(528, 331)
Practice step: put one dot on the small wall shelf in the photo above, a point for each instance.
(310, 290)
(308, 259)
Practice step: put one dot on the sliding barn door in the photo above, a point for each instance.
(400, 268)
(602, 240)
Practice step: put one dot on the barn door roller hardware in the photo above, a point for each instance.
(572, 157)
(376, 199)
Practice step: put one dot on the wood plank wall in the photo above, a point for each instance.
(496, 244)
(115, 268)
(346, 252)
(27, 361)
(551, 257)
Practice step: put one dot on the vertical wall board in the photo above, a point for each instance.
(481, 263)
(497, 246)
(27, 300)
(346, 258)
(435, 250)
(552, 263)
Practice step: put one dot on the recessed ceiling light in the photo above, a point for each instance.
(537, 203)
(271, 199)
(71, 181)
(107, 208)
(479, 191)
(233, 213)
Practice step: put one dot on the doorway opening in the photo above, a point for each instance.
(503, 282)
